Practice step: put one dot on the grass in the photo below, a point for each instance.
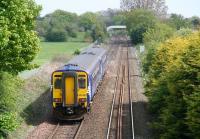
(50, 50)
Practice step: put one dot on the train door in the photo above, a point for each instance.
(69, 90)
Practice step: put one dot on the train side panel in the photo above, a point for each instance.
(56, 88)
(97, 75)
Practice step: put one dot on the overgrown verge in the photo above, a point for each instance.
(25, 104)
(10, 86)
(172, 69)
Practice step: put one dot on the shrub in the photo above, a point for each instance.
(138, 22)
(77, 52)
(173, 88)
(10, 87)
(8, 122)
(137, 34)
(184, 32)
(152, 38)
(56, 36)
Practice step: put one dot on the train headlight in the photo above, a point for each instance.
(82, 99)
(57, 99)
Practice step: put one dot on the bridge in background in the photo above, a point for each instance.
(116, 27)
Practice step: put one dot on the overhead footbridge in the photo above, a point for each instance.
(117, 30)
(117, 27)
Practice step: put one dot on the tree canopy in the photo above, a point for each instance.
(173, 87)
(138, 22)
(178, 21)
(92, 24)
(158, 6)
(57, 26)
(112, 17)
(18, 40)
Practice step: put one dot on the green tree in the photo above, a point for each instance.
(56, 36)
(152, 38)
(173, 87)
(88, 20)
(65, 23)
(112, 17)
(119, 19)
(138, 22)
(178, 21)
(18, 40)
(157, 6)
(195, 22)
(92, 23)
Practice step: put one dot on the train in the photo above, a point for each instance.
(74, 85)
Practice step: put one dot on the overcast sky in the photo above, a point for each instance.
(187, 8)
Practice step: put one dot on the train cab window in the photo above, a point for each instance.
(81, 83)
(57, 84)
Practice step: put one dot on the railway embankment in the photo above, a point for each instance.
(34, 106)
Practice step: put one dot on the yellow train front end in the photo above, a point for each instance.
(69, 94)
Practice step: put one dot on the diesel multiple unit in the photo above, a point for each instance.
(74, 85)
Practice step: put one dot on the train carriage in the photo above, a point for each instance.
(74, 85)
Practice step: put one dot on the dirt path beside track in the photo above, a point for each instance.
(139, 100)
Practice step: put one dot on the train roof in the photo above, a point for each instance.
(86, 60)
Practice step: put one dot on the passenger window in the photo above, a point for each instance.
(57, 84)
(81, 83)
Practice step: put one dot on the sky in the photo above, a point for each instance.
(187, 8)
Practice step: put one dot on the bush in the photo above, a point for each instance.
(56, 36)
(184, 32)
(87, 37)
(8, 122)
(10, 87)
(73, 34)
(173, 88)
(137, 34)
(77, 52)
(138, 22)
(152, 38)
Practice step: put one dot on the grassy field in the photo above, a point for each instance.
(50, 50)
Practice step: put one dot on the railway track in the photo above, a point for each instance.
(63, 131)
(56, 130)
(122, 90)
(113, 110)
(130, 94)
(122, 83)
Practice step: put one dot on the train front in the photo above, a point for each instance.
(69, 94)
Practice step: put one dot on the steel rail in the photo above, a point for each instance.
(78, 130)
(113, 100)
(54, 131)
(120, 111)
(130, 95)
